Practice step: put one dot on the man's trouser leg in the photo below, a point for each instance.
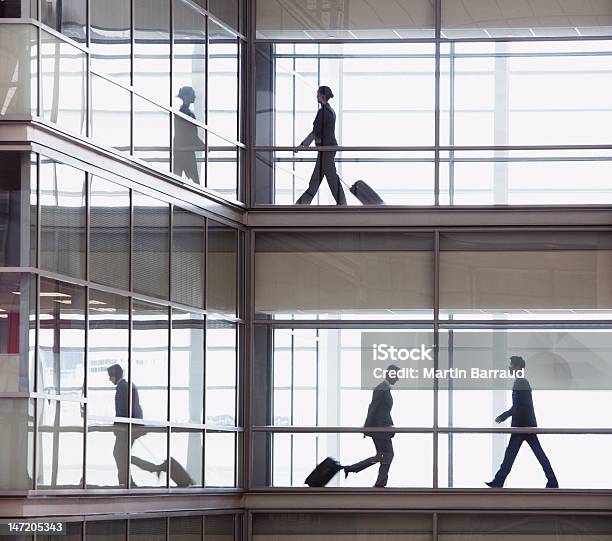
(511, 451)
(534, 443)
(363, 464)
(313, 186)
(384, 448)
(120, 454)
(333, 180)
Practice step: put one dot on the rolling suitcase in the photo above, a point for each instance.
(323, 473)
(365, 194)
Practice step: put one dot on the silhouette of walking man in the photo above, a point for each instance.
(379, 415)
(323, 134)
(186, 140)
(523, 415)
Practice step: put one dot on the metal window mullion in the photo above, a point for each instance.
(206, 91)
(205, 352)
(171, 75)
(84, 405)
(451, 128)
(35, 401)
(129, 426)
(132, 31)
(169, 312)
(436, 330)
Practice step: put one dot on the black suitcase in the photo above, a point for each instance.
(323, 473)
(365, 194)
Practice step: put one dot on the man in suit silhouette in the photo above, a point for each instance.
(379, 415)
(323, 134)
(523, 415)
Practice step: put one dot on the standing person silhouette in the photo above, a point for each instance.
(379, 415)
(323, 134)
(186, 140)
(523, 415)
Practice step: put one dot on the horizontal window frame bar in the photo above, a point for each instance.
(267, 429)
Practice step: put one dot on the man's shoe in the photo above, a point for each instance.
(552, 484)
(346, 472)
(493, 484)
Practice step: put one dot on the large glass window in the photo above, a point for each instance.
(223, 81)
(17, 332)
(152, 48)
(109, 231)
(66, 16)
(111, 38)
(63, 218)
(149, 370)
(221, 372)
(61, 339)
(222, 268)
(188, 258)
(110, 114)
(64, 88)
(18, 68)
(60, 444)
(16, 443)
(189, 61)
(151, 246)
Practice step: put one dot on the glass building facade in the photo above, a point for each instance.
(182, 340)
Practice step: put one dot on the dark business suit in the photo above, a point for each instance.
(120, 450)
(379, 415)
(323, 134)
(186, 141)
(523, 415)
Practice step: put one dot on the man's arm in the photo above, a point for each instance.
(501, 418)
(308, 140)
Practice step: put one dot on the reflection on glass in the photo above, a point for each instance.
(63, 218)
(108, 344)
(107, 454)
(109, 230)
(60, 444)
(15, 220)
(64, 87)
(226, 10)
(296, 455)
(111, 38)
(346, 19)
(506, 18)
(220, 458)
(151, 134)
(526, 93)
(474, 458)
(222, 172)
(61, 339)
(186, 528)
(151, 246)
(18, 67)
(149, 466)
(106, 530)
(17, 331)
(152, 48)
(344, 275)
(221, 375)
(65, 16)
(15, 9)
(187, 367)
(186, 448)
(189, 150)
(149, 369)
(189, 61)
(188, 258)
(223, 66)
(110, 114)
(222, 268)
(491, 275)
(72, 532)
(16, 443)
